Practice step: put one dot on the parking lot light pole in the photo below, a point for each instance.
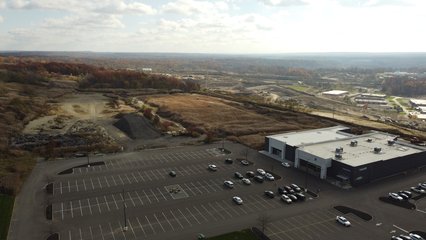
(125, 228)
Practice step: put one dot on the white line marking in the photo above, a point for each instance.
(102, 234)
(90, 207)
(91, 233)
(93, 186)
(400, 228)
(76, 185)
(150, 225)
(106, 203)
(137, 194)
(144, 233)
(62, 210)
(154, 195)
(112, 231)
(72, 211)
(99, 206)
(159, 223)
(99, 181)
(161, 194)
(168, 221)
(185, 217)
(131, 228)
(81, 209)
(106, 180)
(209, 212)
(84, 184)
(146, 196)
(177, 220)
(61, 186)
(116, 205)
(131, 199)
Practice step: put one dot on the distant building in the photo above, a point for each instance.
(417, 103)
(335, 93)
(369, 98)
(351, 159)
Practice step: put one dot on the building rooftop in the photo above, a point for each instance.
(363, 153)
(311, 136)
(419, 102)
(335, 92)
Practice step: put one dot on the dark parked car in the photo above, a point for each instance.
(238, 175)
(292, 197)
(250, 174)
(269, 194)
(295, 188)
(289, 189)
(258, 179)
(300, 196)
(281, 190)
(229, 161)
(172, 173)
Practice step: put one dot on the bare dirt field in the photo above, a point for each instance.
(215, 114)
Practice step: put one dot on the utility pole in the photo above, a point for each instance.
(223, 144)
(125, 228)
(306, 177)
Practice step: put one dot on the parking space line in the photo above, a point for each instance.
(201, 214)
(306, 227)
(112, 231)
(81, 235)
(107, 204)
(127, 177)
(60, 183)
(215, 190)
(177, 220)
(143, 230)
(168, 221)
(102, 234)
(122, 182)
(131, 199)
(164, 230)
(114, 201)
(133, 175)
(69, 235)
(106, 180)
(233, 209)
(147, 196)
(99, 181)
(113, 179)
(93, 186)
(185, 217)
(329, 218)
(131, 228)
(76, 185)
(161, 194)
(147, 175)
(195, 188)
(89, 205)
(227, 212)
(121, 227)
(69, 188)
(201, 185)
(137, 194)
(84, 185)
(99, 206)
(141, 177)
(72, 211)
(263, 200)
(216, 211)
(81, 209)
(91, 232)
(154, 175)
(315, 225)
(196, 219)
(154, 195)
(209, 212)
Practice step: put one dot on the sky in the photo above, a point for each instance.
(222, 26)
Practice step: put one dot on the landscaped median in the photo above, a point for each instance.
(245, 234)
(6, 207)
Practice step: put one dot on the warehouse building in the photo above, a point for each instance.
(336, 153)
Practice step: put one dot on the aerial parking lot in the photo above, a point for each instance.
(134, 196)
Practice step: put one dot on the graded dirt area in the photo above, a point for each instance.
(215, 114)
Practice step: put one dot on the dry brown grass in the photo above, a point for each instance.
(215, 114)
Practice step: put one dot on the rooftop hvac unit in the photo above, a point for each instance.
(391, 142)
(339, 150)
(377, 150)
(338, 156)
(354, 143)
(369, 140)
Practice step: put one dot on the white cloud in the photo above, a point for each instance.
(190, 7)
(100, 6)
(283, 3)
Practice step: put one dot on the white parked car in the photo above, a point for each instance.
(261, 171)
(212, 167)
(342, 220)
(286, 199)
(395, 196)
(237, 200)
(228, 184)
(418, 190)
(246, 181)
(415, 236)
(269, 177)
(284, 164)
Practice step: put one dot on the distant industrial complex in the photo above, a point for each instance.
(338, 154)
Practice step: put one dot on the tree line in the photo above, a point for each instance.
(404, 86)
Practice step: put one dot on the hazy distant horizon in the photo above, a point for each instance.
(217, 26)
